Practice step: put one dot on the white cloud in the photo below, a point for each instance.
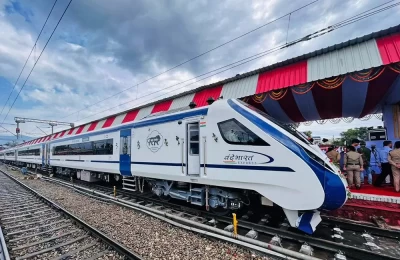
(107, 48)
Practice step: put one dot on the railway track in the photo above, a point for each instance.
(335, 238)
(37, 228)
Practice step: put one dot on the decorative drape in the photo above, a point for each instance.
(340, 98)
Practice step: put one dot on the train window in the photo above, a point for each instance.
(32, 152)
(100, 147)
(194, 135)
(86, 148)
(10, 154)
(109, 146)
(194, 148)
(125, 145)
(233, 132)
(289, 128)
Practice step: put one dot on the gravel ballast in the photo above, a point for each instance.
(149, 237)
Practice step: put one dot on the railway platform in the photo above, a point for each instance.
(380, 205)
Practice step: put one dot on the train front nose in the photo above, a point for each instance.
(336, 190)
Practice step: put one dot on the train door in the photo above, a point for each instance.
(43, 153)
(193, 149)
(48, 153)
(15, 155)
(125, 152)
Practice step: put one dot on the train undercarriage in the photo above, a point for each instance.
(199, 195)
(216, 199)
(219, 200)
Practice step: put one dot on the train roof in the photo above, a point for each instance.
(133, 114)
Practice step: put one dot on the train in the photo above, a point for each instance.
(223, 157)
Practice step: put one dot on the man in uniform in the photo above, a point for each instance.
(333, 155)
(367, 158)
(353, 164)
(394, 160)
(341, 161)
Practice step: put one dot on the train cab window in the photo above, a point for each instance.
(233, 132)
(289, 128)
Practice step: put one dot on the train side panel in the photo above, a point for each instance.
(179, 149)
(30, 154)
(158, 151)
(243, 153)
(10, 156)
(79, 153)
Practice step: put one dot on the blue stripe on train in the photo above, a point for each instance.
(217, 166)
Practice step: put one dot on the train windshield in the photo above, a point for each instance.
(289, 128)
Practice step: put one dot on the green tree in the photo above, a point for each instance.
(337, 142)
(308, 133)
(360, 133)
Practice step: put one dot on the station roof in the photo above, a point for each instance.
(349, 79)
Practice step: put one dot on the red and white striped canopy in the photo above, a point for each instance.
(350, 79)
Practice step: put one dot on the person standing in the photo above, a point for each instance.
(333, 155)
(394, 160)
(353, 164)
(375, 160)
(341, 161)
(367, 159)
(384, 163)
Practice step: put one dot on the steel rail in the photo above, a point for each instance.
(191, 225)
(326, 220)
(3, 247)
(281, 253)
(331, 246)
(389, 233)
(94, 232)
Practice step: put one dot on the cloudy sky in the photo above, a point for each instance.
(102, 47)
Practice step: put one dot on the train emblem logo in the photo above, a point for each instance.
(154, 141)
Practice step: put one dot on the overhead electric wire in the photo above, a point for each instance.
(195, 57)
(34, 65)
(41, 130)
(316, 34)
(8, 130)
(360, 14)
(34, 45)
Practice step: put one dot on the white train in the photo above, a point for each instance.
(217, 156)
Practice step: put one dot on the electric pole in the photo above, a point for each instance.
(52, 123)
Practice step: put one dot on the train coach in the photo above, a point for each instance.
(10, 156)
(223, 157)
(29, 156)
